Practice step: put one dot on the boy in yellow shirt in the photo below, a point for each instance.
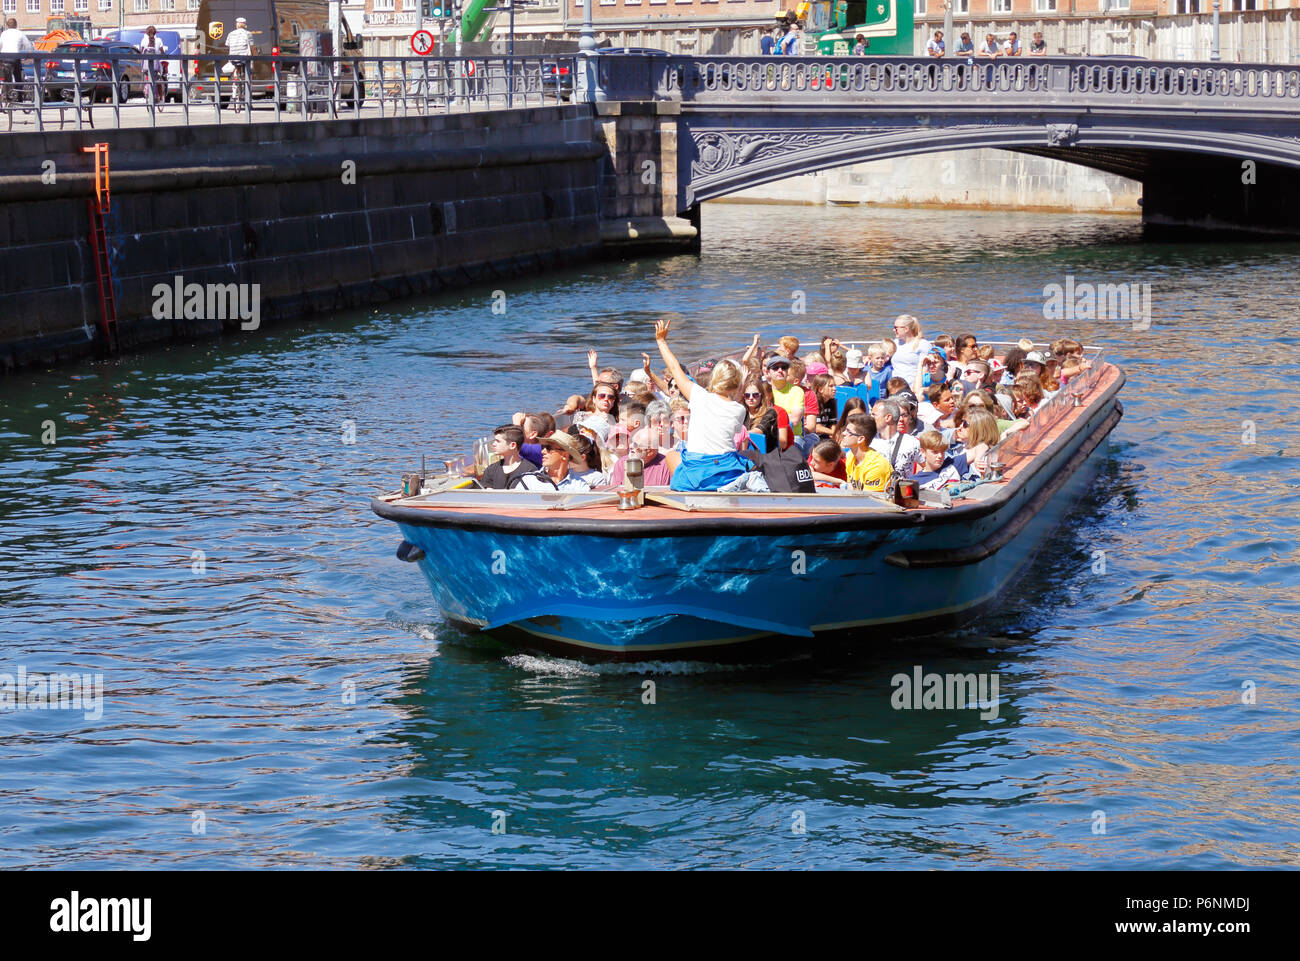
(867, 469)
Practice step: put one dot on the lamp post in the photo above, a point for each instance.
(1214, 40)
(587, 56)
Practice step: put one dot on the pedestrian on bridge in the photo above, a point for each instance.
(1012, 47)
(935, 48)
(792, 42)
(989, 48)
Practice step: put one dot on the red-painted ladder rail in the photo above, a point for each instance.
(100, 205)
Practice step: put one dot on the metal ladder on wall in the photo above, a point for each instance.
(100, 205)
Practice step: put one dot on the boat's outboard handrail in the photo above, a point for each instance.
(1043, 419)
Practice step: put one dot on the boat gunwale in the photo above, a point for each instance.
(703, 524)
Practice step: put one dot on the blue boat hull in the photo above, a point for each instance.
(708, 595)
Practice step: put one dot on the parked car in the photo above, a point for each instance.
(290, 28)
(557, 79)
(171, 44)
(99, 66)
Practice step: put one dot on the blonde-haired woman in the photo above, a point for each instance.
(710, 459)
(978, 432)
(911, 348)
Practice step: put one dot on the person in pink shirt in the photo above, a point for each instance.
(655, 469)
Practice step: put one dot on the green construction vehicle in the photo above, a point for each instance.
(886, 24)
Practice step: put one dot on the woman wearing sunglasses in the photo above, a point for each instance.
(763, 416)
(603, 399)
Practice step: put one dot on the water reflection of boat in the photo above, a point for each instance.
(710, 574)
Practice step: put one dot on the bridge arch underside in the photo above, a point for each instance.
(1243, 181)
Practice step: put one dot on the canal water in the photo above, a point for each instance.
(280, 691)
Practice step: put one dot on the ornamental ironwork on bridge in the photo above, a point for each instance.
(744, 121)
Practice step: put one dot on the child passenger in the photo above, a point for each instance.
(935, 469)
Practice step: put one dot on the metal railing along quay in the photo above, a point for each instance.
(102, 91)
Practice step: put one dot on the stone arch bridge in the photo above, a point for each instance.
(1214, 145)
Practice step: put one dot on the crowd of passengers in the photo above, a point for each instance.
(835, 418)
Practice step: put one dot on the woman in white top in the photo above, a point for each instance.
(911, 348)
(710, 459)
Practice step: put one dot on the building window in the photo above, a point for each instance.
(141, 6)
(33, 6)
(105, 4)
(1044, 6)
(961, 7)
(919, 8)
(56, 6)
(192, 4)
(410, 4)
(81, 6)
(384, 5)
(11, 6)
(1115, 5)
(167, 5)
(999, 6)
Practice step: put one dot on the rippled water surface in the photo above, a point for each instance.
(227, 737)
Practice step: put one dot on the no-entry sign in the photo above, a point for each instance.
(422, 42)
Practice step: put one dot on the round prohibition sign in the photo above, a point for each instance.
(422, 42)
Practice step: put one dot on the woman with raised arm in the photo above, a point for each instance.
(710, 459)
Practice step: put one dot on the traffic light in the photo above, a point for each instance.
(437, 9)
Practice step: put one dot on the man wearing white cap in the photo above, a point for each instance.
(239, 43)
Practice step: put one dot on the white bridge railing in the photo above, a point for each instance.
(830, 80)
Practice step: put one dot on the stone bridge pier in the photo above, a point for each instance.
(641, 204)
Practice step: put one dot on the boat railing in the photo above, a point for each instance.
(1046, 417)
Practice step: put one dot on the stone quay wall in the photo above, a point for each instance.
(321, 216)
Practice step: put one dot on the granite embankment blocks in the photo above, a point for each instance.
(437, 202)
